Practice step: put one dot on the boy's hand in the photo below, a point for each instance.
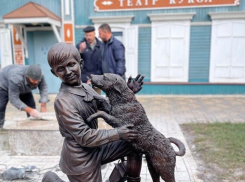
(136, 84)
(127, 132)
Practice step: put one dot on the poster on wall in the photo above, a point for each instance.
(68, 33)
(17, 48)
(122, 5)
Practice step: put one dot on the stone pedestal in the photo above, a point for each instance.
(4, 139)
(29, 136)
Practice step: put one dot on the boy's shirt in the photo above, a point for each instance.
(73, 106)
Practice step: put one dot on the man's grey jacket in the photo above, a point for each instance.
(13, 79)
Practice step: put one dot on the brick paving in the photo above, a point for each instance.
(165, 113)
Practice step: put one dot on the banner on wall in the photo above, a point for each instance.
(68, 33)
(120, 5)
(18, 49)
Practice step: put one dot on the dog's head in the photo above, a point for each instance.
(109, 82)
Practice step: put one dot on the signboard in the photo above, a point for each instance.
(68, 33)
(18, 49)
(122, 5)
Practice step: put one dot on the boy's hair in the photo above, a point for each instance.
(60, 52)
(105, 27)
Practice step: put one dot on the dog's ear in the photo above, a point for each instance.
(117, 87)
(120, 85)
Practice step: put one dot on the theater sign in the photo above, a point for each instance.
(115, 5)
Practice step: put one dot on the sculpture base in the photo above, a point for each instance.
(28, 136)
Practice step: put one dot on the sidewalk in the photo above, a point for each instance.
(165, 113)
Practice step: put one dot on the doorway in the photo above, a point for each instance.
(39, 43)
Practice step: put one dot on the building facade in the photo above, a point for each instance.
(181, 46)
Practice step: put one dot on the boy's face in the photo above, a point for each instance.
(69, 72)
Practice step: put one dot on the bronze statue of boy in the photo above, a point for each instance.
(86, 148)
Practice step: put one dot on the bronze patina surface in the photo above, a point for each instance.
(160, 155)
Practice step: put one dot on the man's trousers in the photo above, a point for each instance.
(4, 98)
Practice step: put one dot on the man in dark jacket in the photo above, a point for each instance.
(90, 51)
(113, 54)
(16, 84)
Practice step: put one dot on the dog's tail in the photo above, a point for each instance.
(179, 144)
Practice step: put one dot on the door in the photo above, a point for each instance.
(5, 48)
(42, 42)
(170, 51)
(129, 38)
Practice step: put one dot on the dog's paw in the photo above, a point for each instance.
(89, 119)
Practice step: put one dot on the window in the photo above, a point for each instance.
(170, 47)
(227, 61)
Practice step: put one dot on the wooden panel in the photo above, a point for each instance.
(238, 53)
(79, 35)
(144, 50)
(199, 53)
(162, 57)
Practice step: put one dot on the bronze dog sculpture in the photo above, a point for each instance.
(160, 155)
